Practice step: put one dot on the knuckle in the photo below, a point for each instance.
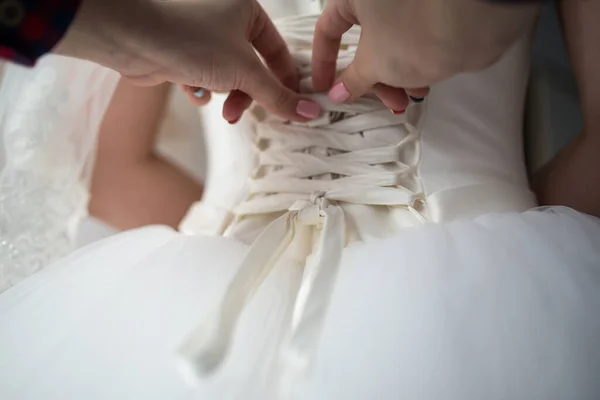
(281, 99)
(391, 68)
(436, 66)
(241, 78)
(357, 80)
(248, 71)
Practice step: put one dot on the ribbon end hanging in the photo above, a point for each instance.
(204, 350)
(202, 353)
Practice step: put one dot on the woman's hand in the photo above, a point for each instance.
(209, 44)
(413, 44)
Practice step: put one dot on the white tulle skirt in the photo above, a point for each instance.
(504, 307)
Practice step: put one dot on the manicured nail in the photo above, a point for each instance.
(199, 93)
(308, 109)
(398, 112)
(417, 99)
(339, 94)
(233, 122)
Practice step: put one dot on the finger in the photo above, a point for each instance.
(355, 81)
(197, 96)
(417, 95)
(267, 90)
(145, 80)
(329, 29)
(236, 103)
(270, 45)
(395, 99)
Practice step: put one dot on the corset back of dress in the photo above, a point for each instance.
(465, 157)
(48, 126)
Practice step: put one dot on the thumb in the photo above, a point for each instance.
(268, 91)
(355, 81)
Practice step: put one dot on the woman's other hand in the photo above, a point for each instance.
(412, 44)
(209, 44)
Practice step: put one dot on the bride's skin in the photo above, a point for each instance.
(572, 178)
(132, 185)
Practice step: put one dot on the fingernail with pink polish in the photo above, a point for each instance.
(399, 112)
(339, 94)
(308, 109)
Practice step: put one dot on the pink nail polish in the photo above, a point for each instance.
(398, 112)
(233, 122)
(339, 94)
(308, 109)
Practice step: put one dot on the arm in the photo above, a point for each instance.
(210, 44)
(572, 178)
(132, 186)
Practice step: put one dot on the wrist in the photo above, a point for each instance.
(109, 32)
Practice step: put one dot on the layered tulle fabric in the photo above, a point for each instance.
(500, 307)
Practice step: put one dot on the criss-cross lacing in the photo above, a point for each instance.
(308, 172)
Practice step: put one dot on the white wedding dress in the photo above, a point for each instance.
(362, 256)
(49, 119)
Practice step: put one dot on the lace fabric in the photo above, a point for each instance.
(50, 117)
(308, 179)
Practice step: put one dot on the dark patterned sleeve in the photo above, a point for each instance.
(31, 28)
(517, 1)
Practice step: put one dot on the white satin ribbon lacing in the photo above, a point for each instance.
(308, 172)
